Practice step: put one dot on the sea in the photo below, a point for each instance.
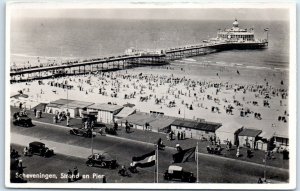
(93, 38)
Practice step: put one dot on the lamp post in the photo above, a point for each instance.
(92, 142)
(265, 167)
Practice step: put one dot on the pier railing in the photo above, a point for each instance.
(118, 62)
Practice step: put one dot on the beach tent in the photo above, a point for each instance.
(125, 112)
(106, 112)
(229, 132)
(248, 137)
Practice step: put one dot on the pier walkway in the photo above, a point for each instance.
(134, 58)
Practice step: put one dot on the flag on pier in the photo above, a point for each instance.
(186, 155)
(146, 160)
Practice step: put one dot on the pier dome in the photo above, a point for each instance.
(235, 23)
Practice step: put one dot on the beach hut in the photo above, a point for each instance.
(194, 129)
(162, 124)
(229, 132)
(125, 112)
(266, 140)
(106, 112)
(138, 120)
(56, 106)
(248, 137)
(78, 106)
(53, 108)
(281, 136)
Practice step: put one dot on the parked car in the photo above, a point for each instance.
(39, 148)
(281, 148)
(22, 120)
(177, 173)
(102, 160)
(83, 132)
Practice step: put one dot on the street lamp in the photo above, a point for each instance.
(265, 167)
(92, 142)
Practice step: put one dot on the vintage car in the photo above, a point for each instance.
(177, 173)
(110, 130)
(22, 120)
(102, 160)
(39, 148)
(83, 132)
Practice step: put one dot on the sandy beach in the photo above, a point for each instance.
(214, 93)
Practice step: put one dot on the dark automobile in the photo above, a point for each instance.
(102, 160)
(83, 132)
(177, 173)
(22, 120)
(40, 149)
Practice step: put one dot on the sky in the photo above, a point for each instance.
(161, 13)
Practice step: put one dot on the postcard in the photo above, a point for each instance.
(150, 95)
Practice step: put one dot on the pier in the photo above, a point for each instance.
(132, 59)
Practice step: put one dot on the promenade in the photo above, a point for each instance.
(150, 138)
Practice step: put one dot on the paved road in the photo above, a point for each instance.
(211, 169)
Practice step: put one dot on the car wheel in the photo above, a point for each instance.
(103, 164)
(167, 177)
(90, 164)
(183, 179)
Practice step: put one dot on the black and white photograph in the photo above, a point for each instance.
(180, 96)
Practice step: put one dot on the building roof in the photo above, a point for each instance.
(267, 134)
(250, 132)
(128, 105)
(204, 126)
(105, 107)
(54, 105)
(126, 111)
(139, 118)
(80, 104)
(62, 101)
(68, 103)
(162, 122)
(281, 132)
(230, 127)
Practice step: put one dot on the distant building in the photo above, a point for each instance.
(151, 122)
(194, 129)
(125, 112)
(249, 137)
(229, 132)
(106, 112)
(74, 107)
(281, 137)
(138, 120)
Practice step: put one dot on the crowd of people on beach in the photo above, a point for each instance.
(179, 92)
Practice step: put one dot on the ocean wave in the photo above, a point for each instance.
(189, 60)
